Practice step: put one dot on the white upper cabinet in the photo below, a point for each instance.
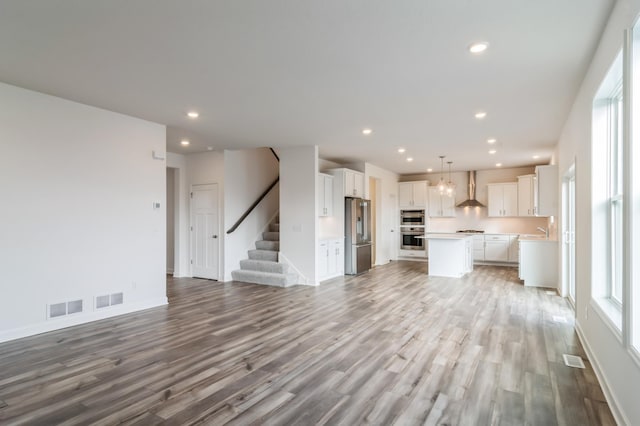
(354, 183)
(547, 190)
(349, 182)
(441, 205)
(526, 195)
(325, 195)
(503, 199)
(412, 194)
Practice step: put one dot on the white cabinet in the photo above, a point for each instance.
(353, 183)
(325, 195)
(547, 190)
(330, 258)
(441, 205)
(478, 248)
(349, 182)
(503, 199)
(412, 194)
(539, 263)
(527, 198)
(538, 194)
(496, 248)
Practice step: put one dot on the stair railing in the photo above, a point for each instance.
(257, 201)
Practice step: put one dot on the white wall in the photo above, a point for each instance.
(77, 219)
(619, 373)
(298, 209)
(247, 173)
(388, 215)
(476, 218)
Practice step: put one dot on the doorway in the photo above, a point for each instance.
(373, 195)
(568, 235)
(205, 241)
(171, 219)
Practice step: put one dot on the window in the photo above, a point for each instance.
(614, 194)
(608, 233)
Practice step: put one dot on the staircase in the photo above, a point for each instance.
(262, 266)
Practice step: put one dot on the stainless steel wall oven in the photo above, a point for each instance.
(409, 238)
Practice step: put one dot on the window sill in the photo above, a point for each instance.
(610, 314)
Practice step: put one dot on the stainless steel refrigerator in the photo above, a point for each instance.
(357, 229)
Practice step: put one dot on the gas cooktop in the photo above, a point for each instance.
(470, 231)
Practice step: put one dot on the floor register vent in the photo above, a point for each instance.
(56, 310)
(573, 361)
(109, 300)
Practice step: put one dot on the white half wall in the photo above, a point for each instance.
(247, 173)
(298, 209)
(78, 219)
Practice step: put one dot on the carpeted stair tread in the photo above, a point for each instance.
(266, 278)
(274, 227)
(263, 266)
(263, 255)
(268, 245)
(271, 236)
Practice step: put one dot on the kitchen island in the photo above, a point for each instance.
(450, 255)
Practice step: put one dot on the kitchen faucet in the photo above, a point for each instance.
(545, 230)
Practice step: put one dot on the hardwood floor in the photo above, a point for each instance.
(392, 346)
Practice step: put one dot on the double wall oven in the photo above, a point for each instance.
(412, 226)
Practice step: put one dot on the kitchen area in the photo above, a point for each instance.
(503, 217)
(496, 217)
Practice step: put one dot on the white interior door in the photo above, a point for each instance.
(204, 231)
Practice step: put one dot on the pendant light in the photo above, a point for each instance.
(450, 185)
(442, 186)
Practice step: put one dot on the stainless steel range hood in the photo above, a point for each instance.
(471, 201)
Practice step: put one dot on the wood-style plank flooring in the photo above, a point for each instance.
(392, 346)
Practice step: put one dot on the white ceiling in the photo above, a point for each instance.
(316, 72)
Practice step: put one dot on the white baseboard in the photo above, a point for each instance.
(80, 318)
(618, 415)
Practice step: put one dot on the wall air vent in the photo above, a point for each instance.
(55, 310)
(109, 300)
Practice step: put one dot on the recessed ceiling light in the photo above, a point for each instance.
(193, 114)
(409, 159)
(209, 148)
(184, 142)
(491, 141)
(429, 170)
(367, 131)
(480, 115)
(478, 47)
(492, 151)
(401, 150)
(535, 157)
(498, 164)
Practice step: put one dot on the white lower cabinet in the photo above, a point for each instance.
(330, 258)
(539, 263)
(495, 248)
(478, 248)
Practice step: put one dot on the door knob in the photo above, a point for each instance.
(215, 236)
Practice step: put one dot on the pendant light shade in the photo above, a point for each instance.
(451, 187)
(442, 186)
